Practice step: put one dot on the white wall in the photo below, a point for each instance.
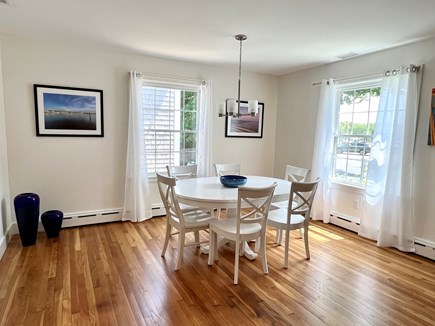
(297, 114)
(76, 174)
(5, 211)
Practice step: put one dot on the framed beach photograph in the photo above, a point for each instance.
(245, 126)
(68, 111)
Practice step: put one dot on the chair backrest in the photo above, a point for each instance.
(301, 198)
(227, 169)
(253, 205)
(169, 197)
(294, 173)
(181, 172)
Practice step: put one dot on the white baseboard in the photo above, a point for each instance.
(3, 245)
(4, 242)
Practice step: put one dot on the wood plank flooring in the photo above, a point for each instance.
(112, 274)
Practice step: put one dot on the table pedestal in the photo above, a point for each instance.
(244, 250)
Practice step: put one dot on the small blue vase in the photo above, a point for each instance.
(27, 213)
(52, 223)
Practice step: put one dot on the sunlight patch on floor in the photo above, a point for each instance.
(325, 233)
(322, 235)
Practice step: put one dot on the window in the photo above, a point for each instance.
(170, 126)
(357, 110)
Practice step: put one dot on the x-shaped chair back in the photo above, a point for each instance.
(301, 198)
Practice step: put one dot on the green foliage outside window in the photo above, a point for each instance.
(188, 102)
(349, 128)
(359, 95)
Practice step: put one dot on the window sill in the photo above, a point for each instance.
(348, 187)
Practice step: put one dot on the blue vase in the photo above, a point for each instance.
(52, 223)
(27, 213)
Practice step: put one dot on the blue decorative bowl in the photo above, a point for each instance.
(233, 181)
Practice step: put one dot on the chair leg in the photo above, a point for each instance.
(307, 247)
(263, 254)
(257, 245)
(236, 263)
(300, 233)
(181, 240)
(215, 246)
(211, 245)
(167, 236)
(287, 243)
(278, 236)
(197, 245)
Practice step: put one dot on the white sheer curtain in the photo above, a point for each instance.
(204, 128)
(323, 150)
(387, 212)
(137, 202)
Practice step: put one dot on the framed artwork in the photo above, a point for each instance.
(245, 126)
(431, 133)
(68, 111)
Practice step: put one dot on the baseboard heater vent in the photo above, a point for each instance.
(92, 217)
(345, 221)
(158, 210)
(425, 248)
(102, 216)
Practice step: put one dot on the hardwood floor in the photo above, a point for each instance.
(112, 274)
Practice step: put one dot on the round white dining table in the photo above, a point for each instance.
(209, 192)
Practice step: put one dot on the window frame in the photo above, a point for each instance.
(188, 86)
(342, 86)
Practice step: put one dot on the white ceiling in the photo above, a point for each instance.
(283, 35)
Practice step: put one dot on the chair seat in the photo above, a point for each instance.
(284, 204)
(196, 219)
(227, 228)
(278, 219)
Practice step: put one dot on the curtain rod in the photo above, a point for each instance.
(379, 74)
(167, 77)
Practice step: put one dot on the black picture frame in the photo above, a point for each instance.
(245, 126)
(68, 111)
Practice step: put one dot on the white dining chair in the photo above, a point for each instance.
(249, 224)
(227, 169)
(292, 173)
(186, 220)
(181, 172)
(296, 215)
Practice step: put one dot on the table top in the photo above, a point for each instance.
(209, 192)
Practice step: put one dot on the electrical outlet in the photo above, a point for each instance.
(356, 204)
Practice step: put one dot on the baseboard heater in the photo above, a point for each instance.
(424, 248)
(92, 217)
(350, 223)
(102, 216)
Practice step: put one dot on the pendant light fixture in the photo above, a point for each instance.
(232, 107)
